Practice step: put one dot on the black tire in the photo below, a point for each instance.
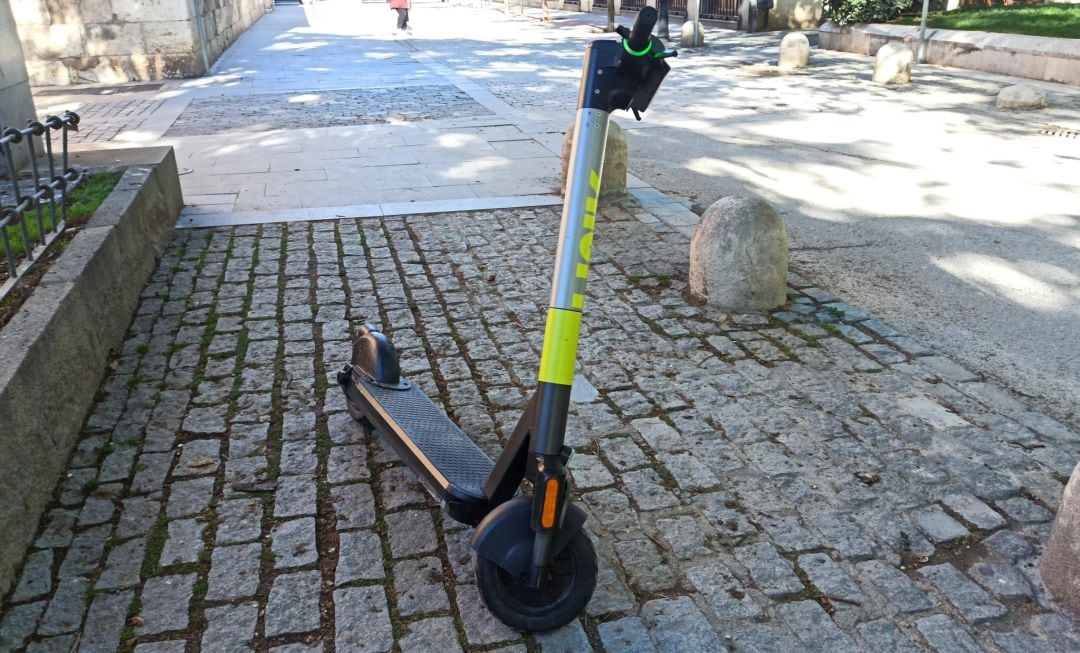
(568, 585)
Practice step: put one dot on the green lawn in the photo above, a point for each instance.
(1048, 20)
(82, 203)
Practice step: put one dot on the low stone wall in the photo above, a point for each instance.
(1032, 57)
(54, 352)
(115, 41)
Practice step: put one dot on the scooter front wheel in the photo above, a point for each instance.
(565, 590)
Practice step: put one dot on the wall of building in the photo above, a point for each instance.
(115, 41)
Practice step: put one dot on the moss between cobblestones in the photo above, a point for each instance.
(155, 542)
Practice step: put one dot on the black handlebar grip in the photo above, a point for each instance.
(641, 34)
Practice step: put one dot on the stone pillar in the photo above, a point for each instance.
(692, 34)
(16, 104)
(739, 256)
(1060, 567)
(616, 158)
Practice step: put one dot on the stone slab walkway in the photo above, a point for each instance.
(809, 479)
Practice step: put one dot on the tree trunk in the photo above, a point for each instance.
(610, 16)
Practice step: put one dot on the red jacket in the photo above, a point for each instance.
(399, 4)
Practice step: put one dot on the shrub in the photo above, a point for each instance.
(846, 12)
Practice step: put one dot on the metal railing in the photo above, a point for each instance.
(31, 196)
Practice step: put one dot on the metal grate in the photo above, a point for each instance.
(33, 209)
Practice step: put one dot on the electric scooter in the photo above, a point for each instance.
(535, 566)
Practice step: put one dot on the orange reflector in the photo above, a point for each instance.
(551, 496)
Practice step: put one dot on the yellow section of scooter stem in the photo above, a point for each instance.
(560, 346)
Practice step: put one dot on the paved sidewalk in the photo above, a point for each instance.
(813, 479)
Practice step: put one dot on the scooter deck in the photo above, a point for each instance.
(418, 430)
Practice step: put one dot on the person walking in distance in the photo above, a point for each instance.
(402, 9)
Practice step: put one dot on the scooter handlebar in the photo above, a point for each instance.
(641, 33)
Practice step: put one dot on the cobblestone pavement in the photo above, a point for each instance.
(262, 112)
(102, 120)
(809, 480)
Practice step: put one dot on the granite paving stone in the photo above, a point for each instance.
(645, 566)
(944, 635)
(678, 625)
(294, 543)
(184, 542)
(973, 603)
(570, 638)
(230, 627)
(894, 586)
(359, 557)
(190, 497)
(123, 566)
(293, 604)
(726, 596)
(761, 638)
(36, 579)
(884, 636)
(66, 607)
(628, 635)
(771, 573)
(17, 624)
(234, 572)
(419, 586)
(105, 621)
(411, 532)
(239, 521)
(814, 629)
(84, 554)
(164, 603)
(436, 635)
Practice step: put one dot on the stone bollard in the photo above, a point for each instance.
(739, 256)
(1021, 96)
(893, 64)
(794, 51)
(613, 178)
(692, 35)
(1060, 567)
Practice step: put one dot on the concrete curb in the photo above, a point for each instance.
(55, 350)
(1032, 57)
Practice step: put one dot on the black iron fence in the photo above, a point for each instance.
(714, 9)
(33, 202)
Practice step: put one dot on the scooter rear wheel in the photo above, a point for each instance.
(567, 586)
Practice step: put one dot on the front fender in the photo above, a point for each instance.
(505, 537)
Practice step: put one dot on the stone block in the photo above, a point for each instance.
(48, 73)
(169, 36)
(107, 39)
(134, 11)
(616, 153)
(1060, 567)
(31, 12)
(794, 51)
(892, 65)
(50, 42)
(1021, 96)
(693, 36)
(739, 256)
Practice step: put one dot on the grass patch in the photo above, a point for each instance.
(82, 203)
(1061, 21)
